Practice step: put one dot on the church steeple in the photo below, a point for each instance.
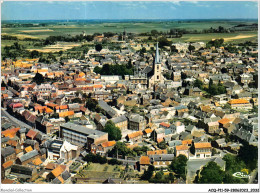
(157, 55)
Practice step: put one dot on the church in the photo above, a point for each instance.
(149, 77)
(156, 76)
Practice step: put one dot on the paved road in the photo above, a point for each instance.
(253, 176)
(13, 120)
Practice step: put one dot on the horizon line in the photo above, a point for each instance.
(129, 19)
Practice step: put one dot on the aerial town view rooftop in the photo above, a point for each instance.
(163, 97)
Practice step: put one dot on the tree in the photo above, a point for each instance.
(178, 165)
(114, 133)
(3, 84)
(171, 177)
(159, 175)
(142, 51)
(76, 100)
(183, 76)
(198, 83)
(249, 154)
(173, 49)
(91, 104)
(38, 78)
(54, 115)
(167, 75)
(229, 179)
(224, 70)
(67, 119)
(98, 47)
(154, 32)
(120, 149)
(211, 174)
(191, 48)
(134, 109)
(162, 145)
(149, 173)
(162, 41)
(35, 54)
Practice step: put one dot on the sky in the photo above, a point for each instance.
(63, 10)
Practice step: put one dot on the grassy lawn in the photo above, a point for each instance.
(95, 170)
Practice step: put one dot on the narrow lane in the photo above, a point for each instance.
(14, 120)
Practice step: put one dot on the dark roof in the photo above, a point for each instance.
(4, 139)
(6, 125)
(119, 119)
(30, 142)
(7, 151)
(163, 157)
(81, 129)
(65, 175)
(109, 181)
(56, 181)
(21, 170)
(29, 155)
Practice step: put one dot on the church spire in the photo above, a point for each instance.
(157, 56)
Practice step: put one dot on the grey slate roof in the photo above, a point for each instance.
(56, 181)
(107, 108)
(81, 129)
(7, 151)
(174, 143)
(220, 162)
(136, 118)
(163, 157)
(119, 119)
(21, 170)
(65, 175)
(4, 139)
(29, 155)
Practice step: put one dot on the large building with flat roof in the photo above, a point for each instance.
(82, 136)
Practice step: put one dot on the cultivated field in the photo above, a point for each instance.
(95, 170)
(133, 27)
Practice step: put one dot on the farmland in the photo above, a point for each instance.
(71, 28)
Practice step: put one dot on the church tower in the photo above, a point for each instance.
(157, 68)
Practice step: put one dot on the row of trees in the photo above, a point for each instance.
(114, 70)
(159, 177)
(177, 167)
(77, 38)
(213, 89)
(96, 158)
(120, 149)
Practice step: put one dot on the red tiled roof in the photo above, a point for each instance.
(10, 132)
(32, 134)
(148, 130)
(157, 152)
(165, 124)
(7, 164)
(62, 107)
(144, 160)
(57, 171)
(224, 121)
(65, 114)
(108, 143)
(182, 147)
(202, 145)
(135, 134)
(186, 142)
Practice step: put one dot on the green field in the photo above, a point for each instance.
(229, 37)
(134, 27)
(94, 170)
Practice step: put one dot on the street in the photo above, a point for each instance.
(13, 120)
